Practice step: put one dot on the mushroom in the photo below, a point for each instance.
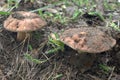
(23, 23)
(87, 39)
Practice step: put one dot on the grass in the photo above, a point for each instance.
(76, 14)
(30, 1)
(105, 67)
(54, 17)
(57, 76)
(110, 6)
(58, 17)
(81, 2)
(55, 43)
(30, 58)
(115, 26)
(11, 4)
(4, 13)
(97, 14)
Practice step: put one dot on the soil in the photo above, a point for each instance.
(60, 65)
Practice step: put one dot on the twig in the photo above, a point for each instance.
(109, 78)
(94, 77)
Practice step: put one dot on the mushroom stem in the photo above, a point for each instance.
(21, 36)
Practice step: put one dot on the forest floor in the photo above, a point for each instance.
(36, 59)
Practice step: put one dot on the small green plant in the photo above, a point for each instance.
(56, 44)
(30, 58)
(46, 15)
(4, 13)
(105, 68)
(56, 17)
(114, 26)
(97, 14)
(109, 6)
(11, 4)
(60, 18)
(76, 14)
(86, 4)
(81, 2)
(30, 47)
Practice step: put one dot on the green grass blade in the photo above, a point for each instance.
(4, 13)
(30, 58)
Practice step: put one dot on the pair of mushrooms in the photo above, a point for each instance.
(84, 39)
(23, 23)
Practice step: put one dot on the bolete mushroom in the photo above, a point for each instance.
(87, 39)
(23, 23)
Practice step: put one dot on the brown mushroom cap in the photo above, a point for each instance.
(87, 39)
(22, 21)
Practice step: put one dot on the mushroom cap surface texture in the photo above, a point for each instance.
(87, 39)
(23, 21)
